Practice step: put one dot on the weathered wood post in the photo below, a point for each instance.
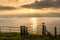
(0, 29)
(55, 29)
(21, 31)
(26, 30)
(43, 29)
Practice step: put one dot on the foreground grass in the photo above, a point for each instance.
(16, 36)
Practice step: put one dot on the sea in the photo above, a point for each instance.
(34, 24)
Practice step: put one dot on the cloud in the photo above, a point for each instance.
(43, 4)
(7, 8)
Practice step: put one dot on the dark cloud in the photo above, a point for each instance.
(43, 4)
(6, 8)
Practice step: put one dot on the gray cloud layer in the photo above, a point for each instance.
(6, 8)
(43, 4)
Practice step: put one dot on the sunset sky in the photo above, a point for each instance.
(15, 2)
(19, 10)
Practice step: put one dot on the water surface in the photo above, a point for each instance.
(33, 22)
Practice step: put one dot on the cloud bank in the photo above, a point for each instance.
(43, 4)
(7, 8)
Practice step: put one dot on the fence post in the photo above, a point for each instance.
(43, 29)
(55, 29)
(26, 31)
(21, 31)
(0, 29)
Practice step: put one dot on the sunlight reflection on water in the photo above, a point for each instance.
(32, 22)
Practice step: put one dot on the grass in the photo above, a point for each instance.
(16, 36)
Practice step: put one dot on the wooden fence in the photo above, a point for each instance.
(24, 30)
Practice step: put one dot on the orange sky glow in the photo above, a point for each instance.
(26, 10)
(20, 10)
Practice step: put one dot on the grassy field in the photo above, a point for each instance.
(16, 36)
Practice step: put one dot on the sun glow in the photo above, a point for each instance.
(29, 11)
(34, 24)
(34, 21)
(44, 10)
